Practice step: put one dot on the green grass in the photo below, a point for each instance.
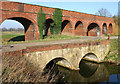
(113, 52)
(112, 35)
(60, 37)
(6, 36)
(18, 37)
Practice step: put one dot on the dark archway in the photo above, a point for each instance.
(52, 70)
(90, 56)
(104, 29)
(28, 25)
(87, 68)
(110, 28)
(47, 26)
(51, 63)
(66, 25)
(25, 22)
(93, 30)
(79, 25)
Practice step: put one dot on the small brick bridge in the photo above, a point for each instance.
(67, 53)
(73, 23)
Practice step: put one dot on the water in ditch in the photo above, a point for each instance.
(89, 72)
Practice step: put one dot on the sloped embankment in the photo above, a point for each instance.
(113, 54)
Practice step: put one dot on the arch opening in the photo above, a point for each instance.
(104, 29)
(27, 25)
(110, 29)
(47, 26)
(79, 25)
(52, 70)
(25, 22)
(88, 68)
(66, 25)
(90, 57)
(93, 30)
(54, 62)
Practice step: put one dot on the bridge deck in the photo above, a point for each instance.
(15, 47)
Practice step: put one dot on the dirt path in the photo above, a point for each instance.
(14, 47)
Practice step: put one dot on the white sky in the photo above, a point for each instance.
(11, 24)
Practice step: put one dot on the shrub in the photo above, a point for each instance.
(56, 26)
(41, 21)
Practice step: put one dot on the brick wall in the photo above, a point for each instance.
(11, 9)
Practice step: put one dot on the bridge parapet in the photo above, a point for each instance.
(68, 54)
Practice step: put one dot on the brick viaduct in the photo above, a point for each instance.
(74, 23)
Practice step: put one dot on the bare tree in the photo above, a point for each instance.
(103, 12)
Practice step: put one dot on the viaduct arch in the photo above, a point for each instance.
(74, 23)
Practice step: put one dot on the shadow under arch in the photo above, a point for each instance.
(110, 28)
(104, 29)
(18, 38)
(93, 30)
(65, 25)
(52, 64)
(78, 25)
(28, 25)
(52, 70)
(88, 68)
(47, 26)
(24, 21)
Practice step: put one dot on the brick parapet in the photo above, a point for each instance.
(54, 47)
(63, 46)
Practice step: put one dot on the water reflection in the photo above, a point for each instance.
(89, 72)
(87, 69)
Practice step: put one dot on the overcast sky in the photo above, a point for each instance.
(88, 6)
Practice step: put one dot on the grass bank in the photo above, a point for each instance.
(8, 35)
(18, 37)
(113, 54)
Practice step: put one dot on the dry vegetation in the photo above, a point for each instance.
(19, 69)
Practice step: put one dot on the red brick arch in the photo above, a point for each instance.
(93, 29)
(80, 21)
(78, 24)
(79, 28)
(110, 28)
(104, 28)
(90, 22)
(30, 33)
(66, 26)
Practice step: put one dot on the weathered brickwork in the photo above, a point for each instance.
(71, 53)
(11, 10)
